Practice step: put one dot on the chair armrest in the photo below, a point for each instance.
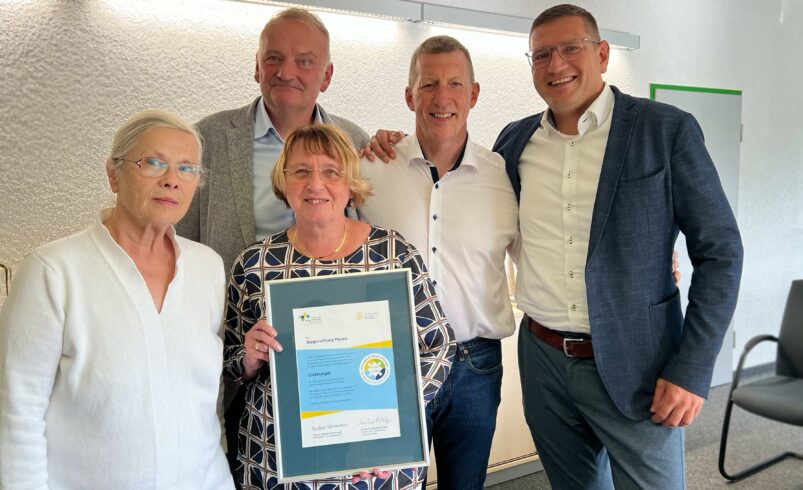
(747, 348)
(756, 340)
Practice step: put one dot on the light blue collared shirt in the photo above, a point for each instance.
(270, 214)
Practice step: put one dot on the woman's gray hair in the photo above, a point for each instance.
(126, 135)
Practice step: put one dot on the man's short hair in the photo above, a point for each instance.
(567, 10)
(436, 45)
(323, 139)
(299, 15)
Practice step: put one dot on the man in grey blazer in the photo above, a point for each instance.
(237, 206)
(611, 370)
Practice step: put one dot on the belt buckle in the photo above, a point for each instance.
(566, 347)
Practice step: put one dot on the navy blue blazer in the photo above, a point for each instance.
(657, 179)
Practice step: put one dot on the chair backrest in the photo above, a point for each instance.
(790, 340)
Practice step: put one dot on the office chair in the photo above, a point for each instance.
(778, 397)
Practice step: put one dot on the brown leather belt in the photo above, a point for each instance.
(573, 347)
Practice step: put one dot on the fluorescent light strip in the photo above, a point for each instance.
(386, 9)
(460, 17)
(428, 13)
(621, 40)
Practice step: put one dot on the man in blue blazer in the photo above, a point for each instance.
(611, 370)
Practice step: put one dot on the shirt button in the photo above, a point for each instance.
(571, 143)
(569, 174)
(574, 307)
(569, 207)
(571, 240)
(434, 249)
(434, 217)
(437, 186)
(571, 274)
(434, 282)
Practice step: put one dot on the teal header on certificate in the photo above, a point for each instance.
(346, 383)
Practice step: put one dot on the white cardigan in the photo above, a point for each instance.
(97, 388)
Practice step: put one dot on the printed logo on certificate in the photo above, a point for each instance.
(346, 386)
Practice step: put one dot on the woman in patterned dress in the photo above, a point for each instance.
(317, 175)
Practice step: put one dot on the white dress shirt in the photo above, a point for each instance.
(270, 214)
(559, 176)
(462, 225)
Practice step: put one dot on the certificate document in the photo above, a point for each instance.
(346, 388)
(346, 382)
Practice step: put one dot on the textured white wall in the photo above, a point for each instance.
(70, 72)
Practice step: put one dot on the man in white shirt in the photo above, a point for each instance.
(611, 370)
(237, 206)
(452, 199)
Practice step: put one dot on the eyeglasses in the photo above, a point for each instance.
(304, 174)
(154, 167)
(569, 51)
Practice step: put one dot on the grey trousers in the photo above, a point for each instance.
(583, 440)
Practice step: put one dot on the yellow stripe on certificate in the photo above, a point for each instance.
(309, 415)
(384, 343)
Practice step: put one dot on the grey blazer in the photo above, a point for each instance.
(222, 214)
(657, 179)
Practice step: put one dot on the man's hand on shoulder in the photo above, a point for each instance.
(673, 406)
(675, 267)
(382, 145)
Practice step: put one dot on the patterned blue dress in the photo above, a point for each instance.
(275, 258)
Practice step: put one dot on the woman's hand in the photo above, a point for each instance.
(258, 342)
(364, 475)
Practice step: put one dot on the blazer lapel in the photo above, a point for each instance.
(240, 141)
(622, 123)
(324, 115)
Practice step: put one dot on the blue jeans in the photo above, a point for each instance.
(462, 417)
(584, 442)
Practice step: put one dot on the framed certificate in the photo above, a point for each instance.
(346, 387)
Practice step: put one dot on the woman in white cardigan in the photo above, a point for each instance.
(110, 348)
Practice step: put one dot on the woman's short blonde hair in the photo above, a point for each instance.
(323, 139)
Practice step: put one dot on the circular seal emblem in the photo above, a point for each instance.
(375, 369)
